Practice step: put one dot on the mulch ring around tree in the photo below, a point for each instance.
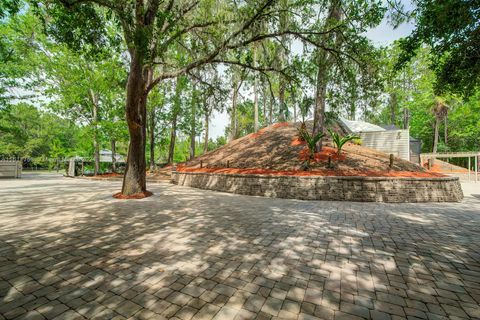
(139, 195)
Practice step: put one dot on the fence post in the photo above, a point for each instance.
(469, 167)
(476, 168)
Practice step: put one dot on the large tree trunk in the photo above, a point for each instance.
(393, 107)
(294, 112)
(173, 136)
(233, 114)
(281, 101)
(192, 144)
(264, 104)
(255, 91)
(352, 111)
(406, 118)
(319, 112)
(440, 111)
(152, 139)
(176, 111)
(270, 111)
(282, 58)
(205, 142)
(192, 125)
(114, 159)
(324, 60)
(267, 99)
(446, 129)
(134, 180)
(435, 135)
(96, 147)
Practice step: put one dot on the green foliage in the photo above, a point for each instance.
(306, 107)
(54, 77)
(217, 143)
(59, 54)
(9, 7)
(83, 28)
(357, 141)
(312, 141)
(26, 132)
(451, 29)
(340, 141)
(414, 88)
(245, 119)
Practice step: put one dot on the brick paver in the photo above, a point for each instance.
(68, 250)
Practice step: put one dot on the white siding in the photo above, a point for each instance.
(391, 141)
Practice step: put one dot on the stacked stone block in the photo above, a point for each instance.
(363, 189)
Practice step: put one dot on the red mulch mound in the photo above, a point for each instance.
(139, 195)
(280, 124)
(108, 175)
(256, 134)
(322, 155)
(323, 173)
(298, 142)
(278, 148)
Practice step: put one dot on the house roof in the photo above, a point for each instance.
(390, 127)
(359, 126)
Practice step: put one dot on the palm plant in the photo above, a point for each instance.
(311, 141)
(340, 141)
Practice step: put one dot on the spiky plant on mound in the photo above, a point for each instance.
(311, 141)
(340, 141)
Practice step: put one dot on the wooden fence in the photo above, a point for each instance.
(10, 169)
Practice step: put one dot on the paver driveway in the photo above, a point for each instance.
(68, 250)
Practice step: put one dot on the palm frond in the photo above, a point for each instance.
(340, 141)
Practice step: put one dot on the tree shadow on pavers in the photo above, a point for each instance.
(435, 250)
(229, 247)
(76, 242)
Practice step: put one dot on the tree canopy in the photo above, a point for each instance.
(450, 28)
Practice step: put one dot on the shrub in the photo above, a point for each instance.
(340, 141)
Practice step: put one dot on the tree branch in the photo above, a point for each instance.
(248, 66)
(213, 54)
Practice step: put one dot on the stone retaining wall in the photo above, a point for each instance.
(371, 189)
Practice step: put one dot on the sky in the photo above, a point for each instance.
(382, 35)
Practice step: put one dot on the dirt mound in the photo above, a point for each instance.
(277, 149)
